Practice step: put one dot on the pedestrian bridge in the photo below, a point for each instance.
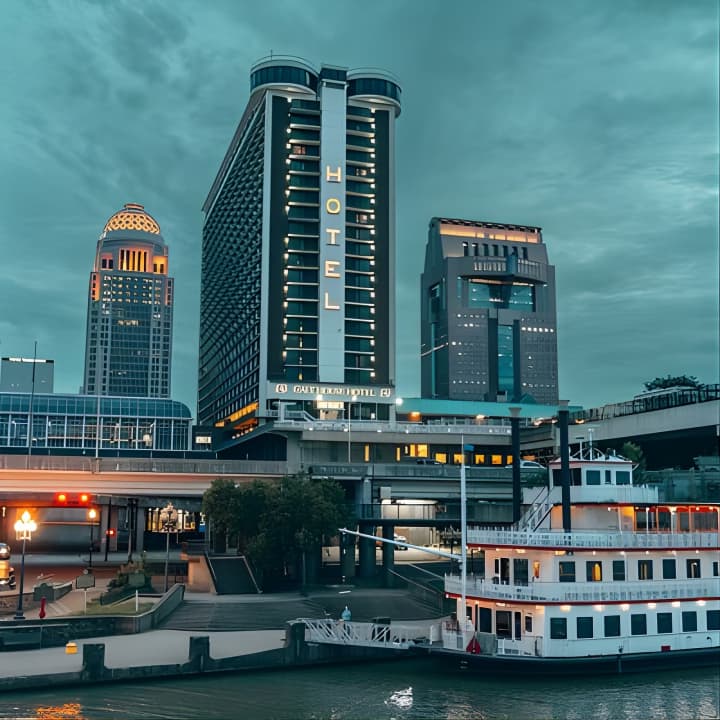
(371, 635)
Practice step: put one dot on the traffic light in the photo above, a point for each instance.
(67, 499)
(110, 532)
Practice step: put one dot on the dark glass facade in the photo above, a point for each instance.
(298, 247)
(488, 315)
(128, 349)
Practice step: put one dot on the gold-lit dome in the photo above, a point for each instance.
(133, 217)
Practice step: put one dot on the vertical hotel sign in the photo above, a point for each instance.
(331, 320)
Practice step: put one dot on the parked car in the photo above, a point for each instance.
(4, 551)
(529, 465)
(7, 571)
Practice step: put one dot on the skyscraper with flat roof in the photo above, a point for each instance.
(128, 347)
(488, 316)
(298, 268)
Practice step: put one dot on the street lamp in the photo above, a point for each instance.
(24, 528)
(92, 515)
(168, 522)
(353, 398)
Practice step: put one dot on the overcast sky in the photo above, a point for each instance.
(596, 120)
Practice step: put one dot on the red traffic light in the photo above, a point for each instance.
(110, 532)
(66, 499)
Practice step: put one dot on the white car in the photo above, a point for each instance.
(529, 465)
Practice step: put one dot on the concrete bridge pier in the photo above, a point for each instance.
(388, 556)
(366, 552)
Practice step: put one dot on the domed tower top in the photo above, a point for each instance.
(133, 217)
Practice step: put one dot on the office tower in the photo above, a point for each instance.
(488, 318)
(130, 309)
(26, 375)
(298, 269)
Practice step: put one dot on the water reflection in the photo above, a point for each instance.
(403, 691)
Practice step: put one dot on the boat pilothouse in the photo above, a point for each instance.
(613, 577)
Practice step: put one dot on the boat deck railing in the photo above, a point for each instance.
(595, 540)
(363, 634)
(598, 592)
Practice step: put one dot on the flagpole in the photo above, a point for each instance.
(463, 532)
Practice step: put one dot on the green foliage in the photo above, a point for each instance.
(660, 383)
(634, 452)
(220, 503)
(276, 523)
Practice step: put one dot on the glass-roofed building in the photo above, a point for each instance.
(87, 424)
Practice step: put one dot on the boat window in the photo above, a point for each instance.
(485, 620)
(608, 477)
(518, 625)
(645, 569)
(622, 477)
(618, 570)
(689, 621)
(693, 567)
(713, 619)
(593, 571)
(567, 571)
(503, 627)
(528, 621)
(520, 571)
(716, 568)
(612, 625)
(664, 622)
(669, 571)
(584, 627)
(592, 477)
(638, 624)
(558, 628)
(536, 569)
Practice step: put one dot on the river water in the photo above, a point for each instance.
(398, 690)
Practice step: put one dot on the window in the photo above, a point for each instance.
(528, 623)
(485, 620)
(558, 628)
(503, 627)
(693, 567)
(689, 621)
(645, 570)
(669, 571)
(713, 619)
(584, 627)
(567, 571)
(618, 570)
(664, 622)
(638, 624)
(520, 571)
(592, 477)
(622, 477)
(612, 625)
(593, 571)
(716, 568)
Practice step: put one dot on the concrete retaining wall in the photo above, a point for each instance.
(295, 653)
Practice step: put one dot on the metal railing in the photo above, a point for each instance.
(340, 632)
(640, 590)
(591, 540)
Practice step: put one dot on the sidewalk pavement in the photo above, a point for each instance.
(157, 647)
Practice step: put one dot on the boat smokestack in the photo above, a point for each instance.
(563, 415)
(516, 491)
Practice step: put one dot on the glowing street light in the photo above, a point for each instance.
(24, 528)
(92, 516)
(168, 523)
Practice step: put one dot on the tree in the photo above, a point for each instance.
(660, 383)
(220, 505)
(634, 452)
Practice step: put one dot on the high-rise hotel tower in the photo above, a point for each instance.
(488, 318)
(298, 254)
(128, 347)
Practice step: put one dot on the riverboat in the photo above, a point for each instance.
(612, 580)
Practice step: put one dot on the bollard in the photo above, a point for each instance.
(71, 648)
